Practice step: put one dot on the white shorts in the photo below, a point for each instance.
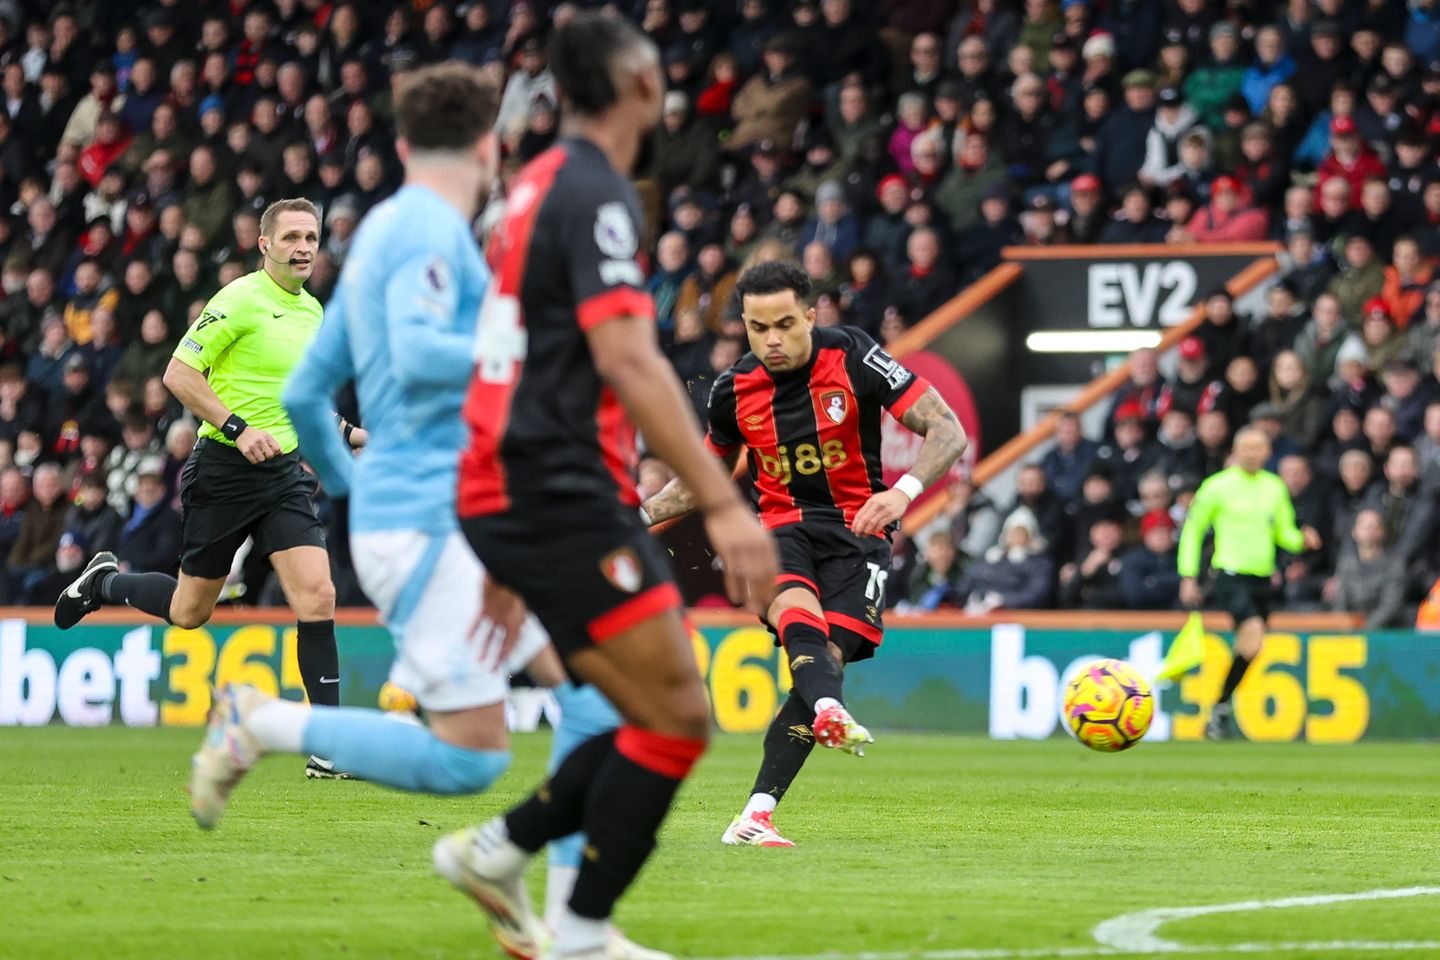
(428, 591)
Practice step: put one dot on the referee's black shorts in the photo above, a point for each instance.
(1242, 596)
(226, 498)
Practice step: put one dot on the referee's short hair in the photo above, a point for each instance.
(447, 106)
(291, 204)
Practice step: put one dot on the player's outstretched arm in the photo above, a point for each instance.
(627, 356)
(675, 499)
(945, 440)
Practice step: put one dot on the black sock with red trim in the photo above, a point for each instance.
(788, 743)
(626, 804)
(813, 670)
(557, 808)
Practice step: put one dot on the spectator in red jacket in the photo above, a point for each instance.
(110, 142)
(1225, 219)
(1349, 158)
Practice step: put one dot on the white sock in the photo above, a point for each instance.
(503, 857)
(825, 703)
(279, 725)
(559, 881)
(759, 803)
(576, 934)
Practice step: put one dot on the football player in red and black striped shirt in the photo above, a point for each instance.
(566, 356)
(807, 405)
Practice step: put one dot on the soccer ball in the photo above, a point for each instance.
(1109, 706)
(396, 699)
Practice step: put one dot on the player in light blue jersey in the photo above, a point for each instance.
(400, 326)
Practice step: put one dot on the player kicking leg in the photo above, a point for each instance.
(819, 638)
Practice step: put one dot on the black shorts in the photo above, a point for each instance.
(587, 568)
(1242, 596)
(225, 498)
(846, 573)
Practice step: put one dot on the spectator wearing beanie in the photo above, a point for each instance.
(1360, 280)
(1349, 158)
(1173, 118)
(1209, 87)
(1226, 219)
(1149, 578)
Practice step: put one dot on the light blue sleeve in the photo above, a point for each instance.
(309, 398)
(421, 297)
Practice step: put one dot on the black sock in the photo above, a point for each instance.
(627, 802)
(557, 808)
(1238, 666)
(813, 671)
(788, 743)
(319, 661)
(147, 592)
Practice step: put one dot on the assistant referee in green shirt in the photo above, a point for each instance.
(244, 478)
(1250, 511)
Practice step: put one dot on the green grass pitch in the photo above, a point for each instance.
(931, 847)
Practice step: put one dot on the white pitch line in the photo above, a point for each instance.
(1063, 953)
(1135, 932)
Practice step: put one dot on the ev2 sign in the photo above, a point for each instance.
(1139, 294)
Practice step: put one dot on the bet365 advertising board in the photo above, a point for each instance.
(1004, 680)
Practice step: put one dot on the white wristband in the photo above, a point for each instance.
(910, 485)
(645, 517)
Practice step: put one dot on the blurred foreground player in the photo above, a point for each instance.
(807, 405)
(566, 348)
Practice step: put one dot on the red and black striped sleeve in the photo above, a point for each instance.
(879, 376)
(602, 238)
(723, 434)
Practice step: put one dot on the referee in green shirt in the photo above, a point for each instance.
(1250, 511)
(244, 478)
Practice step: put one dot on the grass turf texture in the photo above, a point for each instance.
(928, 843)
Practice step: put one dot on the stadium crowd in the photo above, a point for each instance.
(892, 147)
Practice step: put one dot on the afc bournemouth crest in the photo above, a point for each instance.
(622, 568)
(833, 403)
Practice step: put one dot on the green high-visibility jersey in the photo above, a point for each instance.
(1251, 513)
(250, 336)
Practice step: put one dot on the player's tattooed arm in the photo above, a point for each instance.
(945, 440)
(675, 499)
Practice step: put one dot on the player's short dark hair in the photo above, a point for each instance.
(447, 106)
(272, 213)
(583, 55)
(773, 277)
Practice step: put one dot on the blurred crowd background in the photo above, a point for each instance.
(893, 148)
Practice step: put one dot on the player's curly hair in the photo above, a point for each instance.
(585, 55)
(773, 277)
